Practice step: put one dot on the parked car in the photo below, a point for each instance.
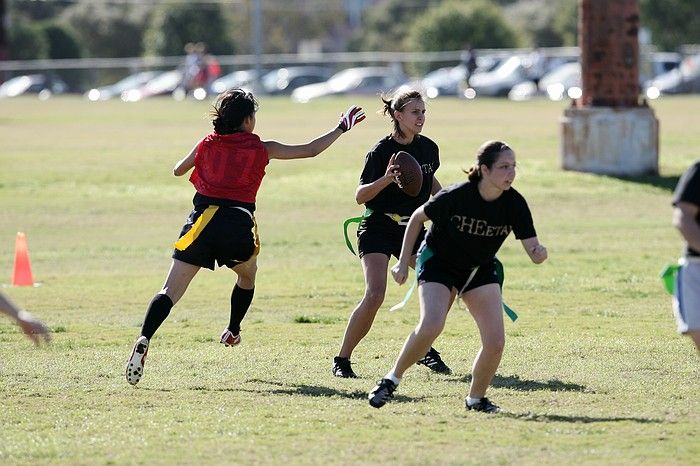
(163, 84)
(244, 79)
(681, 80)
(285, 80)
(499, 81)
(362, 80)
(133, 81)
(657, 63)
(444, 81)
(560, 83)
(44, 85)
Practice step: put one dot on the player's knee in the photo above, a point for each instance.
(374, 297)
(495, 345)
(430, 328)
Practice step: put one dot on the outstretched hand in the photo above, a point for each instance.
(33, 328)
(351, 117)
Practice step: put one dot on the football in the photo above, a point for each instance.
(411, 178)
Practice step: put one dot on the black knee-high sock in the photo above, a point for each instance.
(156, 314)
(240, 302)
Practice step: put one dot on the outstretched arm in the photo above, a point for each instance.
(186, 164)
(415, 225)
(33, 328)
(278, 150)
(535, 250)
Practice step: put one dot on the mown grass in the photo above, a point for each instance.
(593, 373)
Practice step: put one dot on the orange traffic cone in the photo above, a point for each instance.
(22, 273)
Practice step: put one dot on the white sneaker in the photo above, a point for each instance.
(229, 339)
(134, 366)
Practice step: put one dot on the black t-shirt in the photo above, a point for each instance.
(468, 231)
(688, 190)
(391, 199)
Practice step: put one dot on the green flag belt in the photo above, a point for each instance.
(425, 254)
(347, 223)
(668, 276)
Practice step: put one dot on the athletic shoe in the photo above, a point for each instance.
(134, 366)
(484, 405)
(434, 362)
(382, 393)
(343, 368)
(229, 339)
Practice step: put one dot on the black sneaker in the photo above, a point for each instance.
(484, 405)
(382, 393)
(343, 368)
(434, 362)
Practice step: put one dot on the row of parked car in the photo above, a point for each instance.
(508, 76)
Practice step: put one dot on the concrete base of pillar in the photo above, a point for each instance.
(610, 141)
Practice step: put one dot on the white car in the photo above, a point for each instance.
(363, 80)
(500, 81)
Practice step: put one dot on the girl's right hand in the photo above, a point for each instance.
(400, 273)
(392, 170)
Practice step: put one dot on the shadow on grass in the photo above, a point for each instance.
(514, 382)
(299, 390)
(576, 419)
(667, 183)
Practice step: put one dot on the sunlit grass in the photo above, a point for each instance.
(593, 370)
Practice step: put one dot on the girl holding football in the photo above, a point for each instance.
(470, 221)
(381, 231)
(229, 165)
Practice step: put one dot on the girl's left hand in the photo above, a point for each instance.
(538, 254)
(350, 118)
(400, 273)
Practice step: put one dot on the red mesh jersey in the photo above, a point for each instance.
(230, 166)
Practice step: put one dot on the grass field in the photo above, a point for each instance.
(593, 371)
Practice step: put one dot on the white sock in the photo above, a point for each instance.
(391, 376)
(472, 401)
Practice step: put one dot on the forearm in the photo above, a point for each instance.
(691, 234)
(436, 186)
(367, 192)
(413, 229)
(323, 142)
(278, 150)
(535, 250)
(684, 220)
(184, 165)
(7, 307)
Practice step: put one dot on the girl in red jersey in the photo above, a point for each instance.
(229, 165)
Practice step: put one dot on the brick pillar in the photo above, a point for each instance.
(607, 131)
(609, 52)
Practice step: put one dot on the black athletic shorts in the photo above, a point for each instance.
(229, 238)
(379, 233)
(433, 269)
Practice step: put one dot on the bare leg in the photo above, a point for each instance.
(247, 272)
(374, 266)
(179, 277)
(485, 305)
(435, 299)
